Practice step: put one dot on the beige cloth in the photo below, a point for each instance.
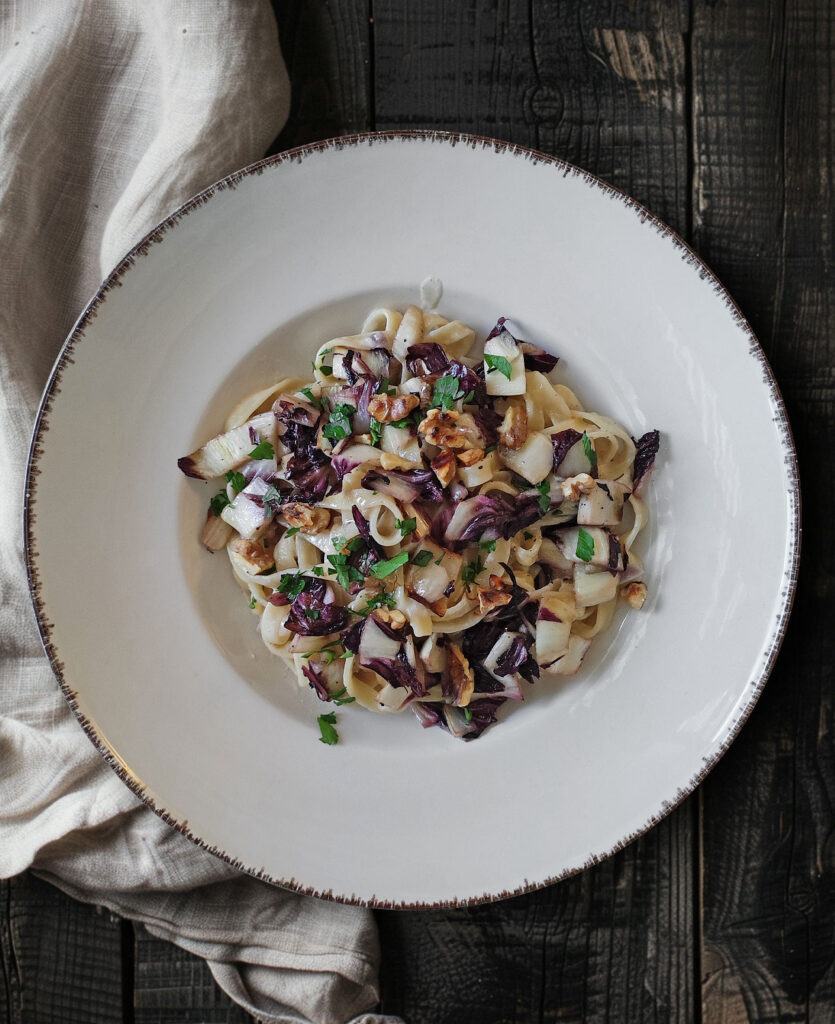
(113, 112)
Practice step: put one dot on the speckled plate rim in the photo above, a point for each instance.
(156, 235)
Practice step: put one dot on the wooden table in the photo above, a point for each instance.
(718, 116)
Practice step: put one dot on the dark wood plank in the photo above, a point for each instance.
(764, 74)
(172, 986)
(61, 961)
(327, 49)
(604, 86)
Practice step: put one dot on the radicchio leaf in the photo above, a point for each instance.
(398, 672)
(537, 358)
(314, 613)
(316, 682)
(563, 442)
(404, 484)
(482, 714)
(646, 448)
(292, 409)
(426, 357)
(309, 474)
(428, 713)
(517, 659)
(371, 552)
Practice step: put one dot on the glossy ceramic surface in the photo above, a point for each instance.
(155, 646)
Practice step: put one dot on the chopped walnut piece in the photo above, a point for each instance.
(497, 594)
(388, 460)
(471, 456)
(443, 466)
(461, 675)
(308, 518)
(575, 486)
(634, 594)
(257, 557)
(513, 431)
(387, 408)
(396, 619)
(440, 428)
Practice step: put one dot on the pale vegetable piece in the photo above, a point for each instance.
(635, 594)
(401, 441)
(577, 542)
(472, 477)
(410, 332)
(432, 654)
(533, 461)
(594, 587)
(247, 513)
(216, 533)
(571, 661)
(503, 346)
(602, 505)
(230, 450)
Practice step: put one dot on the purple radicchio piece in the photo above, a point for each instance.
(524, 511)
(371, 552)
(375, 363)
(537, 358)
(314, 612)
(481, 517)
(426, 357)
(398, 672)
(404, 484)
(317, 683)
(309, 474)
(482, 715)
(563, 442)
(517, 659)
(292, 409)
(429, 713)
(351, 637)
(646, 448)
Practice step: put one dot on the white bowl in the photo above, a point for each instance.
(151, 638)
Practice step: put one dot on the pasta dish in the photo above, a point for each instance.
(417, 528)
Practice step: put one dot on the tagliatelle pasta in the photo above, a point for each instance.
(418, 527)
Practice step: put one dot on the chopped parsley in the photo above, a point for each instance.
(422, 558)
(499, 363)
(218, 503)
(383, 569)
(272, 497)
(264, 450)
(339, 697)
(527, 535)
(314, 401)
(405, 526)
(292, 531)
(345, 574)
(470, 395)
(327, 727)
(375, 429)
(585, 545)
(292, 584)
(442, 557)
(470, 571)
(412, 420)
(339, 424)
(252, 601)
(384, 388)
(468, 714)
(312, 614)
(318, 570)
(327, 370)
(490, 448)
(447, 390)
(237, 480)
(588, 448)
(544, 499)
(487, 545)
(355, 544)
(382, 600)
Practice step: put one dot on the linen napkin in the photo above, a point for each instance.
(113, 113)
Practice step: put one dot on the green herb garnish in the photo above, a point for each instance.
(447, 390)
(218, 503)
(588, 448)
(237, 480)
(499, 363)
(264, 450)
(442, 557)
(345, 574)
(375, 429)
(585, 545)
(468, 714)
(292, 584)
(252, 602)
(339, 697)
(383, 569)
(405, 525)
(327, 724)
(382, 600)
(318, 570)
(327, 370)
(487, 545)
(339, 424)
(544, 498)
(272, 497)
(527, 535)
(314, 401)
(470, 395)
(470, 571)
(292, 531)
(422, 558)
(312, 614)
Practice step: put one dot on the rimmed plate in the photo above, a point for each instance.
(153, 644)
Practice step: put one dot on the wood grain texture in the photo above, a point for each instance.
(603, 86)
(763, 78)
(172, 986)
(60, 960)
(327, 49)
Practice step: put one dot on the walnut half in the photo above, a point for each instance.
(443, 466)
(497, 594)
(513, 431)
(388, 408)
(634, 594)
(460, 674)
(307, 518)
